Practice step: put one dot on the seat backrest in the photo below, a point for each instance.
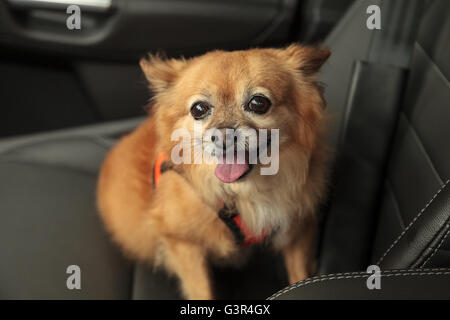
(363, 217)
(414, 222)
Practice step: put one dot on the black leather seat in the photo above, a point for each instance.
(404, 222)
(48, 218)
(390, 192)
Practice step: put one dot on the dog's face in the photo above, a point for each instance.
(245, 91)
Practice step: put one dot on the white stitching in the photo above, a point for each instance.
(437, 248)
(346, 275)
(357, 275)
(326, 276)
(411, 223)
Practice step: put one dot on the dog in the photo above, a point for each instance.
(180, 215)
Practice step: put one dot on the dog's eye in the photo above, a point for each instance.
(200, 110)
(258, 104)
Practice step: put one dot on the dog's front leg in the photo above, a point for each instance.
(189, 262)
(299, 254)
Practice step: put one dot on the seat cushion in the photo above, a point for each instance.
(49, 221)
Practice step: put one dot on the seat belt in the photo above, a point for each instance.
(373, 104)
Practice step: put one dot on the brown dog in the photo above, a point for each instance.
(189, 217)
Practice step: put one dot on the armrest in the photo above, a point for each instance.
(394, 284)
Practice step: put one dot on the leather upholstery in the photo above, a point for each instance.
(48, 221)
(48, 218)
(365, 80)
(417, 167)
(420, 160)
(372, 116)
(420, 241)
(394, 284)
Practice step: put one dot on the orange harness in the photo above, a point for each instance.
(230, 217)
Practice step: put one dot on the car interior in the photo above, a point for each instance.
(67, 96)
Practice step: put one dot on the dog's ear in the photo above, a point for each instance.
(160, 72)
(305, 59)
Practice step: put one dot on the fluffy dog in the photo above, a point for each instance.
(184, 215)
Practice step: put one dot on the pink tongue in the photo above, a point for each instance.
(231, 172)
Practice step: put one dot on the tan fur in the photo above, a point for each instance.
(176, 225)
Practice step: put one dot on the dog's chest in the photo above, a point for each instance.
(261, 212)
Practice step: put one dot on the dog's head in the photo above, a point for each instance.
(221, 100)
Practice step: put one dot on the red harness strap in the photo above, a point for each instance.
(231, 218)
(157, 171)
(241, 234)
(248, 237)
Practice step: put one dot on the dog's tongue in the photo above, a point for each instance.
(231, 172)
